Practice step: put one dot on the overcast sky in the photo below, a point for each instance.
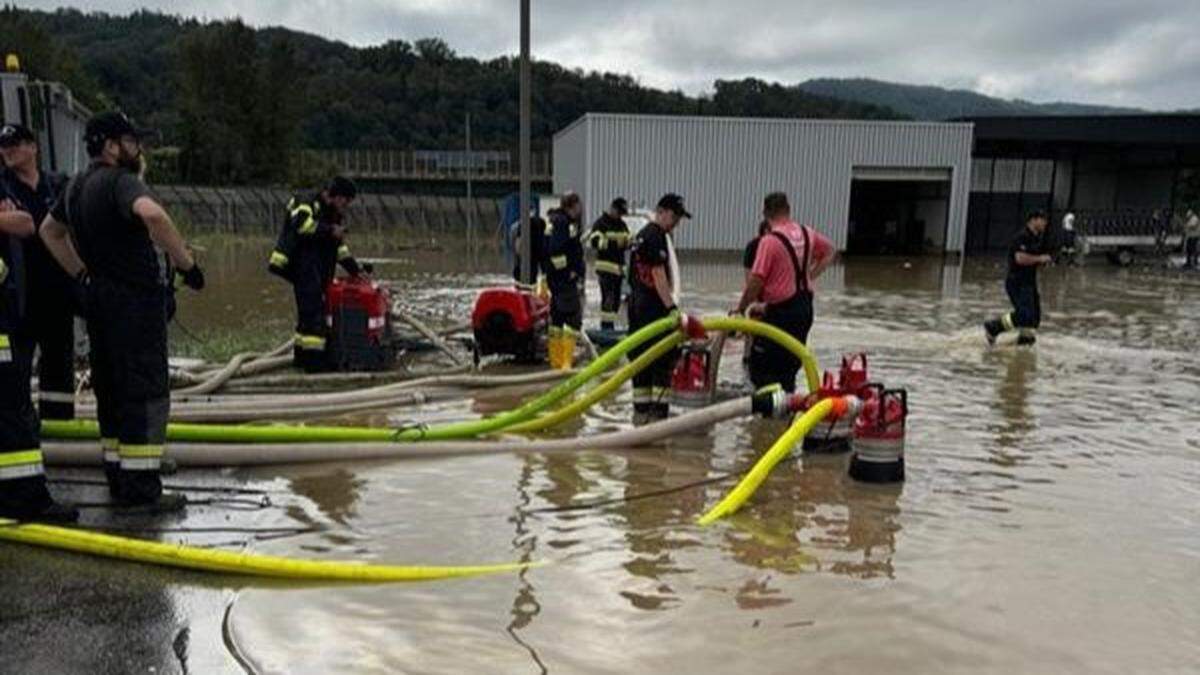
(1142, 53)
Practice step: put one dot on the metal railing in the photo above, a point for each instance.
(434, 164)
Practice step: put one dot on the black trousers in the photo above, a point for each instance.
(771, 363)
(1027, 304)
(651, 386)
(127, 328)
(1192, 248)
(22, 479)
(308, 286)
(610, 298)
(51, 328)
(566, 305)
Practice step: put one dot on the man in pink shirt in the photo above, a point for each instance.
(789, 258)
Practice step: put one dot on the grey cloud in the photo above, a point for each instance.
(1142, 52)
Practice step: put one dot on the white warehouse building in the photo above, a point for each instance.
(871, 186)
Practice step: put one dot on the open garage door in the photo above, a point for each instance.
(898, 210)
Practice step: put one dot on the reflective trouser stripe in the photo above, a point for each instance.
(620, 238)
(20, 464)
(3, 271)
(141, 457)
(278, 259)
(555, 331)
(343, 252)
(56, 396)
(1027, 332)
(111, 448)
(1007, 321)
(5, 349)
(608, 267)
(310, 341)
(559, 262)
(610, 316)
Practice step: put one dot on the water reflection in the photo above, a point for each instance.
(1012, 400)
(811, 516)
(334, 490)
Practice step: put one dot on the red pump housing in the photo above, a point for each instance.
(510, 321)
(358, 312)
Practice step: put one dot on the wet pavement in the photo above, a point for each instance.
(1050, 521)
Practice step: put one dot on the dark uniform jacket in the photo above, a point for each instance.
(563, 262)
(306, 238)
(1026, 241)
(610, 239)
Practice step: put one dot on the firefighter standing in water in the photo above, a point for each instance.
(652, 297)
(23, 493)
(49, 302)
(114, 238)
(311, 245)
(564, 268)
(610, 238)
(787, 259)
(1026, 254)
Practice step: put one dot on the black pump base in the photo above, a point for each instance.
(826, 446)
(876, 472)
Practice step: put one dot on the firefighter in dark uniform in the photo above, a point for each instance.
(311, 245)
(564, 268)
(23, 493)
(610, 239)
(118, 242)
(651, 298)
(1025, 255)
(50, 316)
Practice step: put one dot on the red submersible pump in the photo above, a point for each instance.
(512, 322)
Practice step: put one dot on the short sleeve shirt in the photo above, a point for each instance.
(113, 242)
(1026, 241)
(649, 250)
(773, 264)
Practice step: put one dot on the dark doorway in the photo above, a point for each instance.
(897, 217)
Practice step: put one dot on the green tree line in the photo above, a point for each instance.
(236, 104)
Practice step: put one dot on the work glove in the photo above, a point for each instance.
(193, 278)
(351, 266)
(692, 327)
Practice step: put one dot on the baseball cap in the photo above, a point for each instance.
(12, 134)
(111, 125)
(341, 186)
(620, 206)
(673, 202)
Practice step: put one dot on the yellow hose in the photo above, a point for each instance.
(228, 562)
(662, 347)
(604, 390)
(751, 482)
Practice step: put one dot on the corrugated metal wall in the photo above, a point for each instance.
(724, 166)
(571, 159)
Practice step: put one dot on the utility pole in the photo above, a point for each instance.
(470, 200)
(527, 269)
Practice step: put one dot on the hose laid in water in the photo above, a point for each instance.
(229, 562)
(260, 454)
(232, 409)
(428, 333)
(745, 489)
(455, 430)
(292, 380)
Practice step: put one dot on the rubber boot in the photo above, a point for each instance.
(991, 330)
(553, 349)
(1026, 339)
(566, 358)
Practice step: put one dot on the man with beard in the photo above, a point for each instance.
(108, 233)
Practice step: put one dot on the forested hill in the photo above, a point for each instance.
(936, 103)
(212, 82)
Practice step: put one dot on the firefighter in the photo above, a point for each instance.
(311, 244)
(564, 268)
(49, 319)
(610, 239)
(652, 297)
(23, 493)
(780, 284)
(1025, 255)
(111, 236)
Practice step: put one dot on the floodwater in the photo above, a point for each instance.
(1050, 521)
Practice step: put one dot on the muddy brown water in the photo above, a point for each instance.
(1050, 521)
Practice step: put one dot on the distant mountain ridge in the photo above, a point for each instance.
(924, 102)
